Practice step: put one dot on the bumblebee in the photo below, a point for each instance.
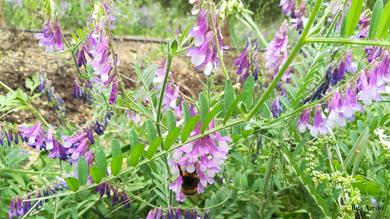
(190, 182)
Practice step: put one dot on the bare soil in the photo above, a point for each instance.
(21, 57)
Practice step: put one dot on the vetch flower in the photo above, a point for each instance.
(157, 213)
(246, 62)
(51, 37)
(100, 51)
(368, 89)
(160, 73)
(335, 116)
(204, 156)
(114, 91)
(373, 53)
(276, 108)
(204, 53)
(296, 12)
(276, 52)
(112, 192)
(170, 96)
(319, 126)
(346, 65)
(34, 136)
(304, 120)
(364, 24)
(350, 104)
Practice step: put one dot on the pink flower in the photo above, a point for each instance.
(276, 53)
(368, 89)
(350, 104)
(34, 136)
(170, 96)
(204, 54)
(51, 37)
(204, 156)
(100, 51)
(304, 120)
(335, 116)
(319, 126)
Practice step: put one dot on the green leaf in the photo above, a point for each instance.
(357, 151)
(174, 46)
(101, 161)
(203, 106)
(116, 148)
(367, 187)
(116, 165)
(72, 183)
(353, 16)
(211, 116)
(186, 111)
(188, 127)
(171, 120)
(151, 130)
(134, 138)
(171, 138)
(247, 92)
(375, 19)
(184, 33)
(384, 23)
(136, 153)
(229, 95)
(82, 170)
(153, 148)
(96, 174)
(307, 183)
(343, 30)
(231, 109)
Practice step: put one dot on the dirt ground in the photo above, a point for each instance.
(21, 57)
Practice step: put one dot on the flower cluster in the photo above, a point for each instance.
(20, 206)
(295, 11)
(247, 62)
(117, 196)
(51, 37)
(341, 108)
(157, 213)
(276, 53)
(204, 54)
(203, 156)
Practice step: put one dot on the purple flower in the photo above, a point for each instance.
(246, 62)
(319, 126)
(294, 11)
(364, 24)
(276, 108)
(34, 136)
(51, 37)
(58, 151)
(344, 66)
(204, 53)
(368, 88)
(41, 86)
(81, 58)
(160, 73)
(335, 115)
(157, 213)
(373, 53)
(114, 92)
(304, 120)
(204, 156)
(107, 189)
(77, 146)
(276, 52)
(170, 96)
(350, 104)
(100, 51)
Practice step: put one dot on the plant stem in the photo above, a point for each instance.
(215, 33)
(145, 161)
(28, 104)
(348, 41)
(164, 86)
(10, 170)
(287, 63)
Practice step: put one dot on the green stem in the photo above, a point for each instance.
(10, 170)
(164, 86)
(28, 104)
(215, 33)
(287, 63)
(145, 161)
(348, 41)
